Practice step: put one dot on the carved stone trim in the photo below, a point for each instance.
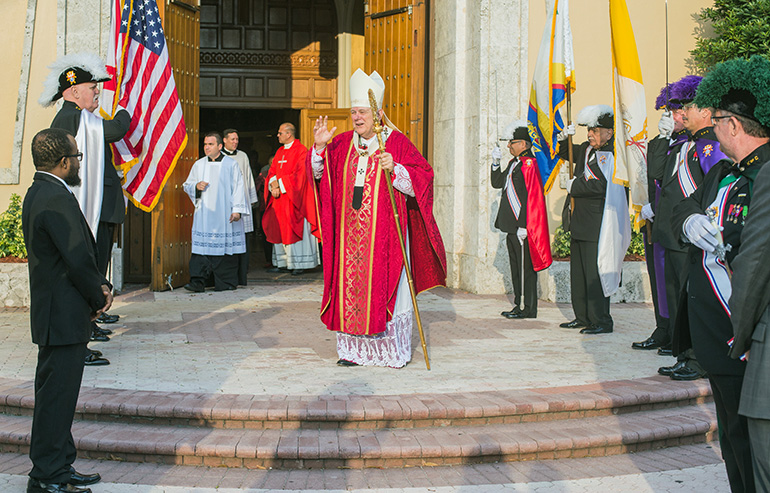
(244, 58)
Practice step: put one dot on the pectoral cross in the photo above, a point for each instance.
(280, 163)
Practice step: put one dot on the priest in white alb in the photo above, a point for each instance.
(215, 185)
(230, 149)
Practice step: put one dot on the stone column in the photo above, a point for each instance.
(480, 85)
(84, 25)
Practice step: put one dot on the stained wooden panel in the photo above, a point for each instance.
(394, 32)
(172, 217)
(275, 42)
(336, 117)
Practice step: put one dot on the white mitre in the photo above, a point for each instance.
(360, 83)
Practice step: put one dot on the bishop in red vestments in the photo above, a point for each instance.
(366, 297)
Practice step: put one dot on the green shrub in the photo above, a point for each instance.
(11, 236)
(561, 242)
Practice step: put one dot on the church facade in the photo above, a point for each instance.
(457, 71)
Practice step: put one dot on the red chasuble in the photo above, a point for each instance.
(537, 216)
(361, 254)
(283, 218)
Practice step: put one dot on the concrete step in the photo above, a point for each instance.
(355, 448)
(232, 411)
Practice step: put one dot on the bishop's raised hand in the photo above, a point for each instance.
(321, 132)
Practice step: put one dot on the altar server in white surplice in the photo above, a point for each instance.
(215, 185)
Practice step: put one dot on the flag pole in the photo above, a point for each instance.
(569, 143)
(389, 181)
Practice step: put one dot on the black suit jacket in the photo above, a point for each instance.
(506, 221)
(589, 195)
(113, 206)
(65, 284)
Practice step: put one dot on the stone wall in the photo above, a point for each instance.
(554, 284)
(14, 285)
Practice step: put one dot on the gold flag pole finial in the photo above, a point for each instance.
(378, 130)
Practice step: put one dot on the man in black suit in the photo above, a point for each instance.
(67, 292)
(75, 79)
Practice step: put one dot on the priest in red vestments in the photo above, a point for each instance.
(366, 296)
(290, 204)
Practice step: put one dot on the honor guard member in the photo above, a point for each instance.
(600, 224)
(75, 79)
(713, 220)
(522, 210)
(683, 175)
(671, 135)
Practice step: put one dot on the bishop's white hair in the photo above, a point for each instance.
(589, 116)
(87, 61)
(508, 132)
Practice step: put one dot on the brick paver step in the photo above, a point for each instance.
(311, 448)
(369, 412)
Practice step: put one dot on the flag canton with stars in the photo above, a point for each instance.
(145, 24)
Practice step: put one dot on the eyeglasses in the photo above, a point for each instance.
(715, 119)
(79, 155)
(688, 106)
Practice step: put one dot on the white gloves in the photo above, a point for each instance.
(568, 130)
(497, 153)
(570, 181)
(522, 234)
(647, 212)
(701, 233)
(666, 124)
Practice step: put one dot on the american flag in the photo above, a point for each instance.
(145, 87)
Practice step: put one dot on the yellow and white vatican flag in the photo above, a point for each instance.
(630, 109)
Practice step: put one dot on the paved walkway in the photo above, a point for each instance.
(267, 339)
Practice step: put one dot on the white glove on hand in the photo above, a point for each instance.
(497, 154)
(647, 212)
(569, 184)
(568, 130)
(522, 234)
(701, 233)
(666, 124)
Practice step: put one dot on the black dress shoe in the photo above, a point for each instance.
(102, 331)
(93, 360)
(344, 362)
(278, 269)
(99, 337)
(106, 318)
(646, 344)
(575, 324)
(297, 272)
(595, 329)
(513, 311)
(669, 370)
(687, 373)
(194, 288)
(521, 315)
(35, 486)
(665, 350)
(79, 479)
(95, 352)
